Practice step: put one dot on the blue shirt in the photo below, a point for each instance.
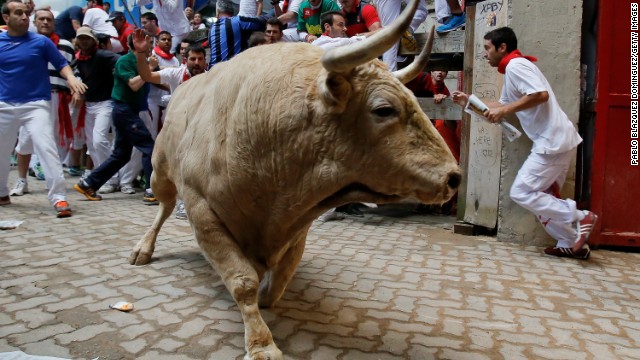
(64, 27)
(226, 36)
(24, 73)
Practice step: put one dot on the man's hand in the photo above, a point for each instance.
(153, 62)
(76, 86)
(311, 38)
(140, 41)
(460, 98)
(496, 114)
(76, 100)
(439, 98)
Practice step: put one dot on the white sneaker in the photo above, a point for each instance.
(107, 189)
(20, 188)
(181, 213)
(331, 215)
(127, 189)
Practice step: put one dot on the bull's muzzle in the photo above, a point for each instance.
(454, 180)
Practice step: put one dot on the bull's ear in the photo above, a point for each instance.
(335, 91)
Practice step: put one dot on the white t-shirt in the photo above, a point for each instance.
(327, 42)
(248, 8)
(155, 93)
(96, 19)
(173, 76)
(546, 124)
(170, 15)
(294, 6)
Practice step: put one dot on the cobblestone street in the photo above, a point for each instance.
(376, 287)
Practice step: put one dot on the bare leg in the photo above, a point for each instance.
(276, 280)
(23, 165)
(454, 6)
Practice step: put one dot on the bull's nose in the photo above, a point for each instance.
(454, 180)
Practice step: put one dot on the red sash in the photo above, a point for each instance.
(502, 66)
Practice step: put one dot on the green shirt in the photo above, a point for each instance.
(309, 19)
(125, 70)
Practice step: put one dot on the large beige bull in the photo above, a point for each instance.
(263, 144)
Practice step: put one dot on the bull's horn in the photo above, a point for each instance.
(345, 58)
(410, 72)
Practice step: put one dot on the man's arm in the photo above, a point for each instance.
(495, 114)
(76, 24)
(140, 49)
(75, 85)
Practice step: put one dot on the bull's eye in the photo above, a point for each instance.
(385, 111)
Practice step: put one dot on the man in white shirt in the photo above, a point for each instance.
(334, 26)
(97, 19)
(171, 18)
(527, 94)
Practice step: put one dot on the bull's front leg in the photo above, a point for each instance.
(276, 280)
(239, 276)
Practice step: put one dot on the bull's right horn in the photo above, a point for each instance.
(345, 58)
(410, 72)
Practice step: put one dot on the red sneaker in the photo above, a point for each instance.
(63, 209)
(585, 227)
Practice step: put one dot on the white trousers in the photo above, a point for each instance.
(388, 10)
(442, 10)
(34, 118)
(532, 190)
(97, 124)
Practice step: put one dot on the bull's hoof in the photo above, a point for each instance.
(270, 352)
(137, 258)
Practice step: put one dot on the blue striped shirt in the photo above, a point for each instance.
(228, 36)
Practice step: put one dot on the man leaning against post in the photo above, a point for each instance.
(27, 103)
(527, 94)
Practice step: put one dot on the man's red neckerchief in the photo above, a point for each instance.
(162, 53)
(502, 66)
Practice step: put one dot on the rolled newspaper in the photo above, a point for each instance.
(476, 106)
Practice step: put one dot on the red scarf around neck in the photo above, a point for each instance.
(81, 57)
(162, 53)
(99, 7)
(502, 66)
(55, 38)
(186, 75)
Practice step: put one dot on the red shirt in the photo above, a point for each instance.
(123, 34)
(422, 86)
(360, 18)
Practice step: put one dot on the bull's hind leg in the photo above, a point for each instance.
(239, 276)
(165, 191)
(275, 280)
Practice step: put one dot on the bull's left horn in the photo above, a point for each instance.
(410, 72)
(345, 58)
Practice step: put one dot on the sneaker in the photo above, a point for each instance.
(585, 227)
(37, 172)
(62, 208)
(20, 188)
(107, 189)
(127, 189)
(408, 42)
(5, 200)
(86, 190)
(181, 213)
(582, 253)
(453, 22)
(350, 209)
(330, 216)
(75, 171)
(149, 198)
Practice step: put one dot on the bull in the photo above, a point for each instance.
(258, 151)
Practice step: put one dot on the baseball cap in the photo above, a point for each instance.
(86, 31)
(115, 15)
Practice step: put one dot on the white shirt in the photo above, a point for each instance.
(248, 8)
(96, 19)
(327, 42)
(546, 124)
(170, 15)
(172, 76)
(294, 6)
(155, 93)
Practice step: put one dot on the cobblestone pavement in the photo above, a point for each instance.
(367, 288)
